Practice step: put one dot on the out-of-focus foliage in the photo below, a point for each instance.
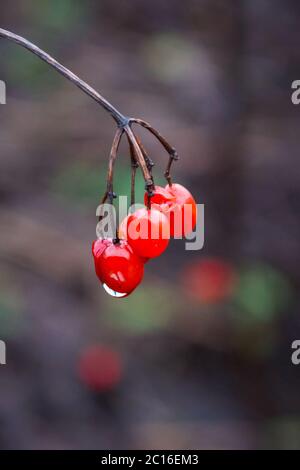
(262, 293)
(11, 315)
(28, 73)
(169, 57)
(59, 15)
(79, 183)
(150, 308)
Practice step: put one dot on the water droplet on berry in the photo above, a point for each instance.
(112, 292)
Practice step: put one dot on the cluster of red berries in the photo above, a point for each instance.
(144, 234)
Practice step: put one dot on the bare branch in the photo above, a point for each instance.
(118, 117)
(110, 173)
(138, 153)
(140, 158)
(173, 155)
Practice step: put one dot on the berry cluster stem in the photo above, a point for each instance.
(139, 155)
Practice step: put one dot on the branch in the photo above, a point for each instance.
(111, 163)
(149, 162)
(171, 150)
(140, 158)
(138, 152)
(134, 166)
(117, 116)
(173, 155)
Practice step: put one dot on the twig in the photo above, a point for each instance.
(118, 117)
(140, 159)
(149, 162)
(134, 166)
(173, 155)
(110, 173)
(139, 155)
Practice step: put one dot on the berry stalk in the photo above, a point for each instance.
(139, 155)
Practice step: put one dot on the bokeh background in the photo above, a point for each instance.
(200, 355)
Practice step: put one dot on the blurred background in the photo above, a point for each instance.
(199, 357)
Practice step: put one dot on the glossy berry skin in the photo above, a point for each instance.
(177, 203)
(186, 203)
(123, 234)
(147, 232)
(161, 196)
(117, 265)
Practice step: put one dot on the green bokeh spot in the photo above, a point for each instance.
(262, 292)
(148, 308)
(59, 15)
(28, 72)
(168, 56)
(79, 183)
(283, 432)
(10, 315)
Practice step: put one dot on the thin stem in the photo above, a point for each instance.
(149, 162)
(150, 165)
(167, 173)
(133, 171)
(124, 123)
(117, 116)
(133, 174)
(173, 155)
(140, 158)
(171, 150)
(110, 173)
(134, 167)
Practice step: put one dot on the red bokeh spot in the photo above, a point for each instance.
(100, 368)
(209, 280)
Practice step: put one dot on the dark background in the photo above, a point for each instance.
(185, 366)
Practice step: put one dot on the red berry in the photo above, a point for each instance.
(177, 203)
(161, 196)
(147, 232)
(117, 266)
(123, 227)
(185, 203)
(99, 368)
